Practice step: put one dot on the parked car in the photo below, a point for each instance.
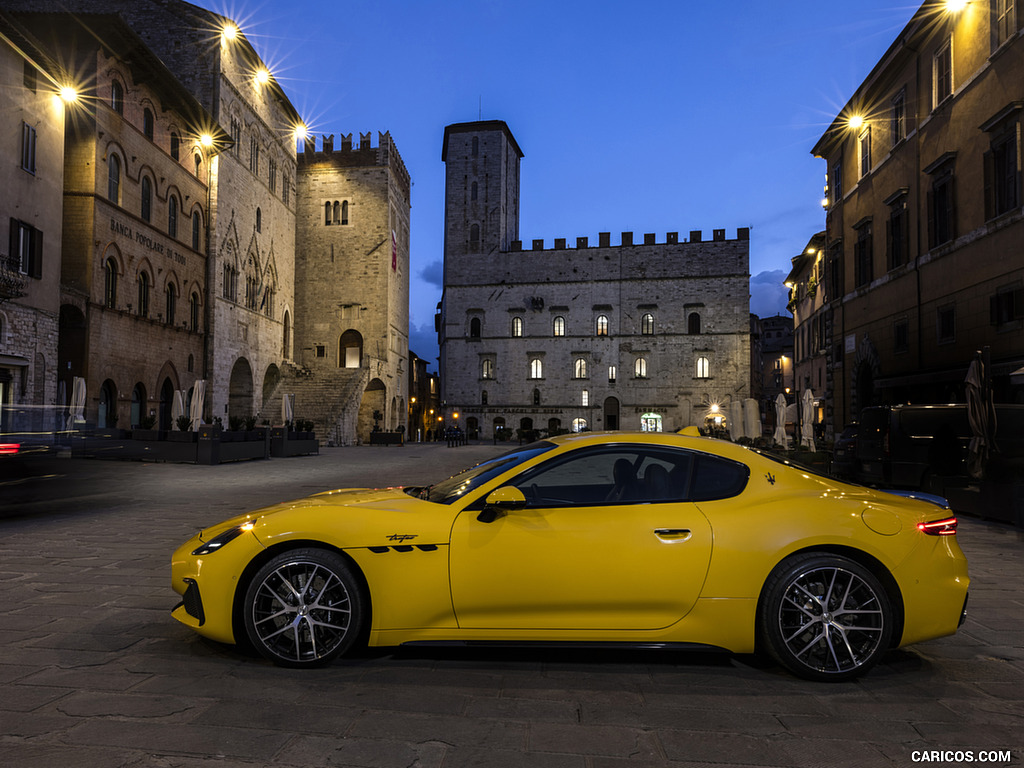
(925, 446)
(595, 537)
(844, 458)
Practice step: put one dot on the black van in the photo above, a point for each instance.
(920, 446)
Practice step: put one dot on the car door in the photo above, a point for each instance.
(606, 541)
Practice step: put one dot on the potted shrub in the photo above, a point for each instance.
(184, 433)
(146, 429)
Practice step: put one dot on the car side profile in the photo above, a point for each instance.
(633, 538)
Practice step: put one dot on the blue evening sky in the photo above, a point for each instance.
(644, 117)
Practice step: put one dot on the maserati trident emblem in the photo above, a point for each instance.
(770, 477)
(400, 537)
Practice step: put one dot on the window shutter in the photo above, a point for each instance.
(36, 267)
(988, 164)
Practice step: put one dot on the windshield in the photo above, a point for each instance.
(459, 485)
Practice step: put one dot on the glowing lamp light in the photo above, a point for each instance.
(206, 140)
(230, 32)
(301, 132)
(855, 122)
(955, 6)
(262, 76)
(69, 94)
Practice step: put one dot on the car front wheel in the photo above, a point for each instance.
(825, 617)
(303, 608)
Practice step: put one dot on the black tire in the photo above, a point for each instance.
(825, 617)
(304, 608)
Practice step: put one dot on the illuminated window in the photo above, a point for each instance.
(640, 368)
(585, 398)
(602, 325)
(558, 327)
(536, 368)
(517, 327)
(579, 425)
(864, 144)
(942, 73)
(580, 368)
(647, 325)
(487, 369)
(703, 368)
(612, 373)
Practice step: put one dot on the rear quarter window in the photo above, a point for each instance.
(715, 478)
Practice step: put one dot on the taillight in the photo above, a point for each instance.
(944, 527)
(9, 449)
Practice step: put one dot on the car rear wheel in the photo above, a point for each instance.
(825, 617)
(303, 608)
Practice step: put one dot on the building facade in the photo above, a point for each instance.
(635, 336)
(351, 337)
(811, 331)
(924, 228)
(32, 127)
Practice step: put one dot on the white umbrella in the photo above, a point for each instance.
(751, 418)
(807, 419)
(736, 420)
(287, 408)
(197, 404)
(177, 407)
(981, 415)
(77, 403)
(780, 436)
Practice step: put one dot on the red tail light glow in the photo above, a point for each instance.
(944, 527)
(9, 449)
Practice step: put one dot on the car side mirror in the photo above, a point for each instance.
(501, 501)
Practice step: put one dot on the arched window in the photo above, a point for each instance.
(196, 226)
(487, 369)
(344, 212)
(193, 312)
(114, 179)
(147, 199)
(350, 348)
(138, 405)
(117, 97)
(703, 368)
(198, 161)
(536, 397)
(517, 327)
(579, 370)
(172, 216)
(579, 425)
(172, 302)
(175, 146)
(110, 283)
(473, 191)
(640, 368)
(474, 328)
(474, 237)
(647, 325)
(476, 146)
(147, 123)
(259, 220)
(612, 373)
(536, 368)
(693, 323)
(483, 397)
(602, 325)
(327, 213)
(143, 294)
(558, 327)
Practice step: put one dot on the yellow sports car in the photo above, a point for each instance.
(647, 539)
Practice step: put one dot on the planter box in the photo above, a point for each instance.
(386, 438)
(181, 437)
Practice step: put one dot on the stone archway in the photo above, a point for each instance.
(611, 413)
(372, 410)
(867, 368)
(240, 390)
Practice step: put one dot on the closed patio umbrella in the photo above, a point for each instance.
(779, 436)
(751, 418)
(287, 409)
(197, 404)
(981, 414)
(807, 419)
(75, 414)
(736, 426)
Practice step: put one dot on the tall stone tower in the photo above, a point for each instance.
(348, 370)
(481, 209)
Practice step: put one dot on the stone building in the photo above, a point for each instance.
(637, 335)
(811, 331)
(349, 373)
(925, 213)
(32, 124)
(133, 264)
(247, 225)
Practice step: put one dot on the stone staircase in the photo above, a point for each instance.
(329, 399)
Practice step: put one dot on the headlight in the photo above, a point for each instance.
(221, 539)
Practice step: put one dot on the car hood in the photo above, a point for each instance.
(356, 517)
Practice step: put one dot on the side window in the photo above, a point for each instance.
(616, 475)
(715, 478)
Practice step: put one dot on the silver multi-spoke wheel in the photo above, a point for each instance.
(826, 617)
(303, 608)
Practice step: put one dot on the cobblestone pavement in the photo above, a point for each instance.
(95, 673)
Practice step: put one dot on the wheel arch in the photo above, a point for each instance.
(237, 619)
(873, 564)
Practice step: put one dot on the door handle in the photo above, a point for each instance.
(672, 534)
